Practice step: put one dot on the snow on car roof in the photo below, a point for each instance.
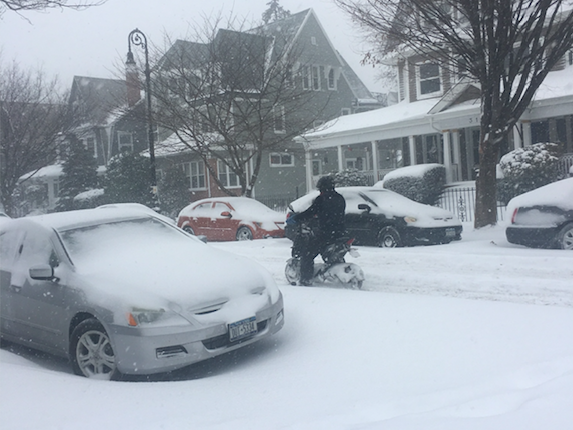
(558, 194)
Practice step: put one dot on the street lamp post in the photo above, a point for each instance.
(138, 39)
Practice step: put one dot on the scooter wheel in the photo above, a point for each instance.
(292, 271)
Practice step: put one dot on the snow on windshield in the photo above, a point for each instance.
(153, 262)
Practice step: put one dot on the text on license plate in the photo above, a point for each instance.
(241, 329)
(450, 232)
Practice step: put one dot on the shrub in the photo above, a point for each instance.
(422, 183)
(128, 180)
(525, 169)
(350, 178)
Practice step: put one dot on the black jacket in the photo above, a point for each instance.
(329, 209)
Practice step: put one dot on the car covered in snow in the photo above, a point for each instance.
(119, 291)
(380, 217)
(231, 218)
(543, 218)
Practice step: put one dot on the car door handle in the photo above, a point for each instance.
(16, 288)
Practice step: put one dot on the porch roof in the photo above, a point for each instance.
(553, 98)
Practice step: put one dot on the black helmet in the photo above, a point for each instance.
(326, 183)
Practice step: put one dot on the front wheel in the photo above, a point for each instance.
(292, 271)
(189, 230)
(565, 237)
(389, 238)
(91, 352)
(244, 233)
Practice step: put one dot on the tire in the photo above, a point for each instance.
(565, 237)
(355, 284)
(189, 230)
(292, 271)
(389, 238)
(91, 352)
(244, 233)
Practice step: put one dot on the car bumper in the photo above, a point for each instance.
(431, 236)
(534, 237)
(147, 351)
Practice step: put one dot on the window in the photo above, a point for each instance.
(429, 83)
(226, 176)
(316, 167)
(331, 80)
(281, 159)
(125, 141)
(315, 78)
(90, 144)
(279, 119)
(195, 172)
(313, 41)
(305, 76)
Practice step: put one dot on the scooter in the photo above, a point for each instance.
(334, 269)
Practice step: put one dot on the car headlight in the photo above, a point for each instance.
(410, 219)
(139, 317)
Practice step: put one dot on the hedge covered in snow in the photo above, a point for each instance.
(422, 183)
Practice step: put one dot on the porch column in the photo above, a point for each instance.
(517, 143)
(374, 147)
(308, 168)
(526, 133)
(457, 155)
(412, 145)
(447, 155)
(340, 157)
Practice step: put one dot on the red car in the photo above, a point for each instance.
(231, 218)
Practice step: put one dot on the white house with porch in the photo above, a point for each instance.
(425, 128)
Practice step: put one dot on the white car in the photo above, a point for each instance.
(121, 291)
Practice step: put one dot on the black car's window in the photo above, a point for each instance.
(10, 246)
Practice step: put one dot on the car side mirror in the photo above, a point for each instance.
(42, 272)
(226, 214)
(364, 207)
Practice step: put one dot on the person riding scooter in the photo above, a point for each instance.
(328, 211)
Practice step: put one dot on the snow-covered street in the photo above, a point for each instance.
(471, 335)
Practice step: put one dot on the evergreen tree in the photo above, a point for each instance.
(274, 12)
(79, 175)
(173, 191)
(128, 180)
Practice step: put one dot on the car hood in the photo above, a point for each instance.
(173, 275)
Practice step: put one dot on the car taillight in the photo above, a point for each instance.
(514, 215)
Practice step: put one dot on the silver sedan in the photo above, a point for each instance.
(121, 291)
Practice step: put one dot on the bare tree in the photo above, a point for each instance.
(507, 46)
(232, 95)
(24, 5)
(33, 118)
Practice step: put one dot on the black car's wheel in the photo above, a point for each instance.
(189, 230)
(91, 352)
(565, 237)
(389, 238)
(244, 233)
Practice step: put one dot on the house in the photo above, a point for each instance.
(319, 70)
(437, 120)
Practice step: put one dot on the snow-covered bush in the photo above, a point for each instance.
(525, 169)
(422, 183)
(350, 178)
(89, 199)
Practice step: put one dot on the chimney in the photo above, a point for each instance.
(132, 81)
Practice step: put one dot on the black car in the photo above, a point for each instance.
(543, 218)
(380, 217)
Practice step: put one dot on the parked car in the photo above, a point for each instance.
(543, 218)
(379, 217)
(231, 218)
(119, 291)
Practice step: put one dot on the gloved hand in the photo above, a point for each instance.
(291, 220)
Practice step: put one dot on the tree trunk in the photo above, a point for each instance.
(486, 198)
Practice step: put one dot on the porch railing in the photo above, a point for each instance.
(461, 201)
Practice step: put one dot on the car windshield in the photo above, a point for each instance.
(146, 232)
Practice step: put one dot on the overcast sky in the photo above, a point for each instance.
(93, 42)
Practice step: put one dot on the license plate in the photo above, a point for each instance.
(242, 329)
(450, 232)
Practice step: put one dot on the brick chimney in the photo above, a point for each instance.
(132, 81)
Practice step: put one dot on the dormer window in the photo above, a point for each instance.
(428, 80)
(331, 79)
(313, 41)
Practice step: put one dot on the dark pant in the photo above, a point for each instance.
(307, 255)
